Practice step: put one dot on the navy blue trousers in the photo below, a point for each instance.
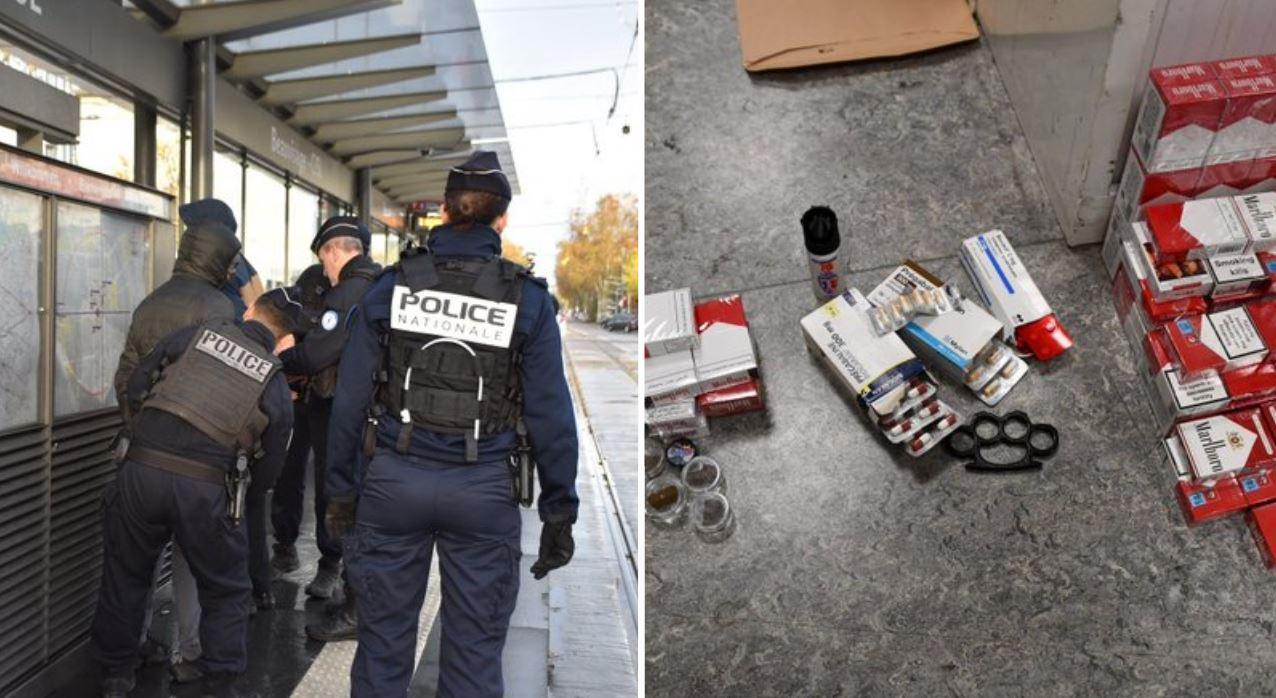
(409, 508)
(310, 434)
(144, 509)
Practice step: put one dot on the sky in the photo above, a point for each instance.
(567, 151)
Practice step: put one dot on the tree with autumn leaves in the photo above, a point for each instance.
(597, 268)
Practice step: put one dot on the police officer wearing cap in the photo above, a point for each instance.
(447, 357)
(211, 419)
(341, 245)
(288, 500)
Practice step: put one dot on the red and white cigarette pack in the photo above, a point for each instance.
(674, 372)
(1223, 445)
(1243, 67)
(1166, 280)
(1236, 276)
(1262, 523)
(1201, 503)
(1248, 119)
(668, 323)
(1250, 386)
(1219, 341)
(732, 400)
(1195, 230)
(1224, 179)
(1257, 212)
(1141, 188)
(1178, 119)
(1263, 313)
(1262, 175)
(725, 355)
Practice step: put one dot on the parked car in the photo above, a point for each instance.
(621, 322)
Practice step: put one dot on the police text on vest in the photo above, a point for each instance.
(452, 315)
(233, 355)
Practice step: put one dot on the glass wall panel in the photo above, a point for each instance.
(168, 156)
(228, 185)
(303, 223)
(394, 245)
(21, 223)
(102, 263)
(264, 225)
(377, 253)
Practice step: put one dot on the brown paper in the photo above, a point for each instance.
(787, 34)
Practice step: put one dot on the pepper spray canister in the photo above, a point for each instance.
(819, 231)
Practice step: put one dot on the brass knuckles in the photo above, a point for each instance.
(1014, 428)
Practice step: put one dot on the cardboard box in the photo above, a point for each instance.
(810, 32)
(670, 373)
(950, 342)
(725, 355)
(668, 323)
(1236, 275)
(1262, 524)
(1007, 289)
(738, 399)
(1219, 341)
(1246, 125)
(875, 369)
(1223, 445)
(1177, 122)
(1195, 230)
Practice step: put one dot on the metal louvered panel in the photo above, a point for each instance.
(24, 537)
(81, 468)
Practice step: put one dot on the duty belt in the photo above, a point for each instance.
(178, 465)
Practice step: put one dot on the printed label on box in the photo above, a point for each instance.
(1234, 337)
(1206, 390)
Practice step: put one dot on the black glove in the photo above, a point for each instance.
(339, 518)
(557, 547)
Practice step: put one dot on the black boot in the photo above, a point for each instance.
(220, 686)
(341, 624)
(285, 558)
(117, 686)
(324, 583)
(184, 671)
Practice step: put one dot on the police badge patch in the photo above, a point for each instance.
(329, 320)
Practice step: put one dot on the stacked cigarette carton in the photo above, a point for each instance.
(1191, 252)
(699, 362)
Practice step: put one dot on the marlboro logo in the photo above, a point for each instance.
(452, 315)
(1210, 445)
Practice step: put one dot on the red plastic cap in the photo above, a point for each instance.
(1045, 338)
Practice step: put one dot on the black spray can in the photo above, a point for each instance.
(819, 231)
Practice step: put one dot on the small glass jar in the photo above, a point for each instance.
(666, 500)
(654, 457)
(702, 475)
(712, 517)
(679, 452)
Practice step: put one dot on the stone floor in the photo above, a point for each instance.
(854, 569)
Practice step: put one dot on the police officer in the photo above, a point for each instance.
(341, 245)
(193, 294)
(289, 496)
(446, 355)
(211, 412)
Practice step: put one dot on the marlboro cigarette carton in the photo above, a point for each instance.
(1177, 123)
(1244, 67)
(875, 369)
(1114, 242)
(1246, 124)
(1216, 341)
(1224, 179)
(1257, 213)
(1188, 398)
(1223, 445)
(737, 399)
(1007, 289)
(1201, 504)
(1236, 275)
(1166, 280)
(1140, 188)
(1195, 230)
(1258, 487)
(668, 323)
(675, 416)
(1251, 385)
(1262, 524)
(725, 356)
(1262, 174)
(670, 373)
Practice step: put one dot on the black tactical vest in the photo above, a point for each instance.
(216, 386)
(452, 358)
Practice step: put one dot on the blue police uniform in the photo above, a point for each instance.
(444, 491)
(167, 488)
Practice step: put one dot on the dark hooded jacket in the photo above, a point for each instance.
(193, 295)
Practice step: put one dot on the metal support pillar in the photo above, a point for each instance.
(363, 194)
(202, 86)
(31, 140)
(144, 151)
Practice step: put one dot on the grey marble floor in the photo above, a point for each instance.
(855, 570)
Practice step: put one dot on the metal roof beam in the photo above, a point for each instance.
(436, 193)
(340, 130)
(422, 166)
(407, 139)
(383, 157)
(310, 113)
(279, 92)
(439, 182)
(258, 64)
(240, 19)
(398, 181)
